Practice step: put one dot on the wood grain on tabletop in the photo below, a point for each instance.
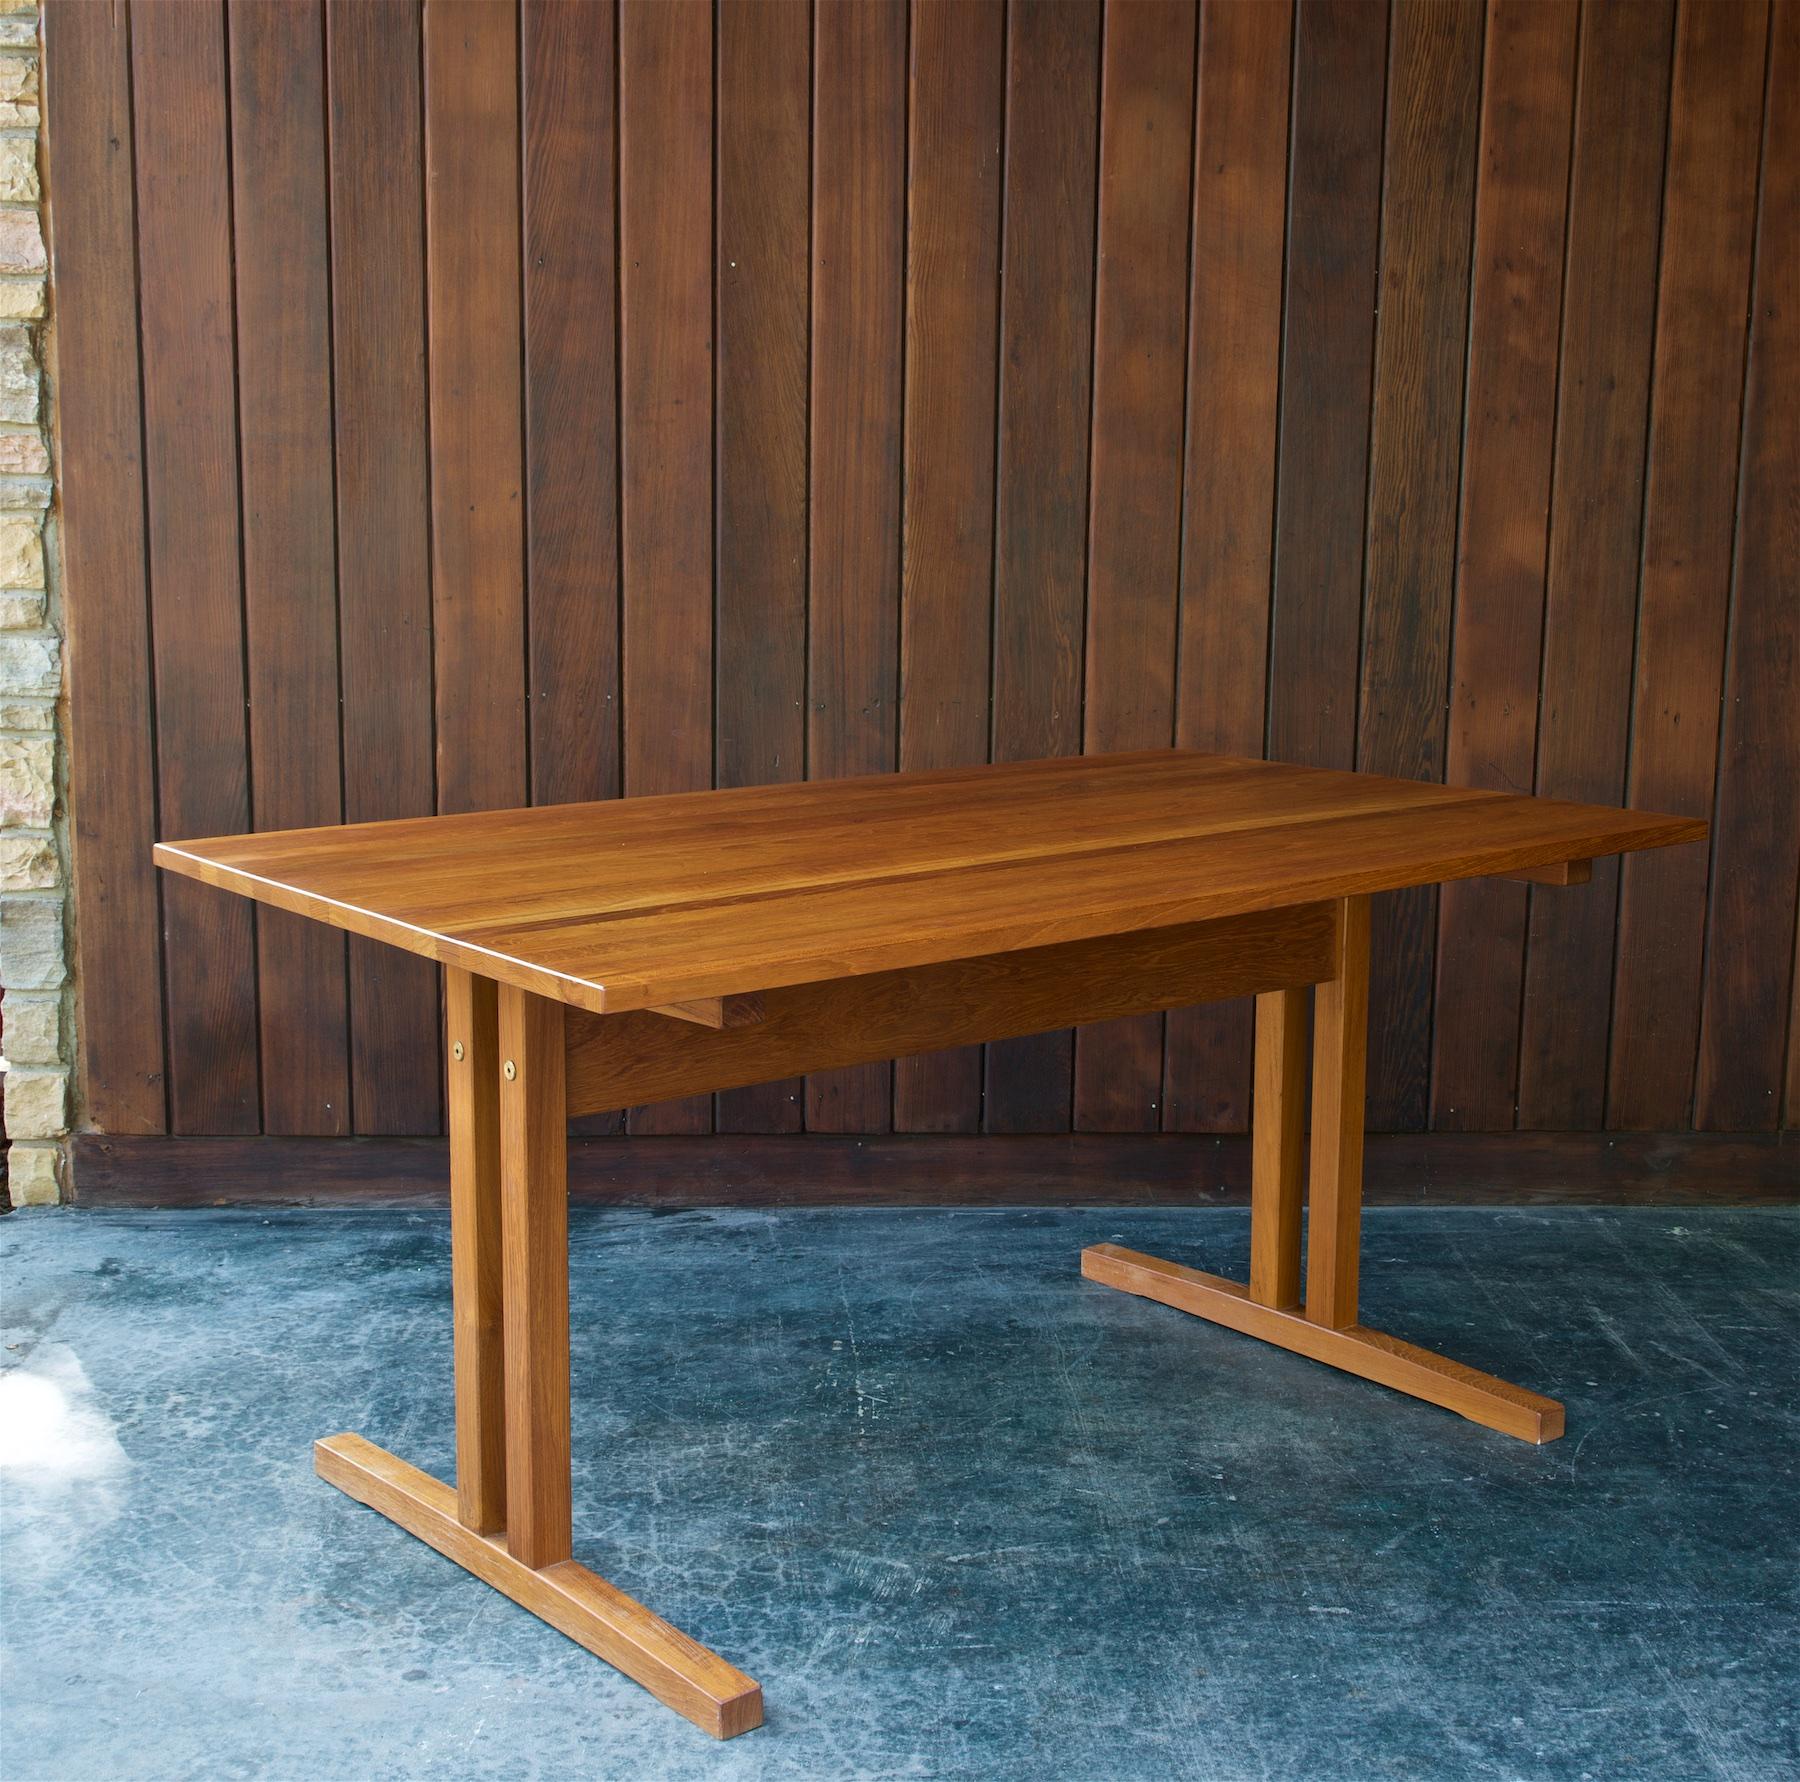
(628, 904)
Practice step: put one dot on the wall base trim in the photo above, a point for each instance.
(1418, 1169)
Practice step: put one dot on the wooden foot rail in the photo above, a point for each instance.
(716, 1696)
(1376, 1356)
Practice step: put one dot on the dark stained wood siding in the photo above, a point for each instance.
(1756, 815)
(666, 386)
(1415, 470)
(474, 401)
(571, 346)
(1046, 392)
(854, 507)
(1328, 335)
(477, 431)
(188, 347)
(114, 821)
(1596, 529)
(282, 285)
(1134, 501)
(1703, 302)
(947, 548)
(1498, 620)
(761, 266)
(378, 331)
(571, 401)
(1233, 378)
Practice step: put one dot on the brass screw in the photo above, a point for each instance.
(456, 1050)
(512, 1070)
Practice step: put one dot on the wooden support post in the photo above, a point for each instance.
(471, 1027)
(715, 1011)
(1278, 1131)
(1371, 1353)
(534, 1196)
(1340, 1061)
(1558, 872)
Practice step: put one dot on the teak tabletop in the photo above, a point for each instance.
(638, 901)
(602, 955)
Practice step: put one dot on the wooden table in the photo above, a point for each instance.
(602, 955)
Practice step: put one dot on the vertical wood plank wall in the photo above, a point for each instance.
(490, 400)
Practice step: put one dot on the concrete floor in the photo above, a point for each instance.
(961, 1513)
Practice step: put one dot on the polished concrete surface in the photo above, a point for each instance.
(961, 1513)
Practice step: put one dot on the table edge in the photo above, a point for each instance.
(619, 994)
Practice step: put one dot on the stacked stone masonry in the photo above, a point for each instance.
(38, 1033)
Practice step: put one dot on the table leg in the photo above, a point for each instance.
(471, 1023)
(1334, 1184)
(1276, 1147)
(508, 1521)
(534, 1217)
(1325, 1326)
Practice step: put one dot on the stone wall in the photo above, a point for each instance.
(33, 846)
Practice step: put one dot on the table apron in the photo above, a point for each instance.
(638, 1056)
